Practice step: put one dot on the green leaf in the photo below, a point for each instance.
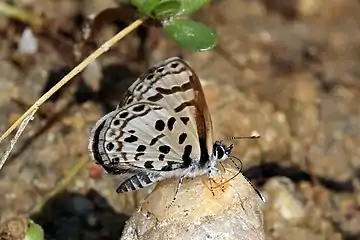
(34, 231)
(191, 6)
(191, 35)
(145, 6)
(166, 9)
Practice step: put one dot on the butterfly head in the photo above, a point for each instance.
(221, 152)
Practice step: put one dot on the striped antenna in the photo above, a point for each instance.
(254, 135)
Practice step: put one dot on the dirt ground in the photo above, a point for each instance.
(288, 69)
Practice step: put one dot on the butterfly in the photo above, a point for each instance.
(161, 129)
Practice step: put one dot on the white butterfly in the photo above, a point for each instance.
(161, 129)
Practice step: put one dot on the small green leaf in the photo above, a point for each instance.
(191, 6)
(165, 9)
(145, 6)
(191, 35)
(34, 232)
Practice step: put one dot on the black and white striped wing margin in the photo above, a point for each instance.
(161, 128)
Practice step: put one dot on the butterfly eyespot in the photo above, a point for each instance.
(149, 164)
(170, 123)
(164, 149)
(124, 114)
(182, 138)
(141, 148)
(131, 139)
(159, 125)
(116, 122)
(139, 108)
(110, 146)
(185, 120)
(115, 160)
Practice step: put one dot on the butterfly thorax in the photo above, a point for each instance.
(220, 153)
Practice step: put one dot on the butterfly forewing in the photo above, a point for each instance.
(161, 126)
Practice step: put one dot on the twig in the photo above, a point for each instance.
(20, 15)
(21, 129)
(102, 49)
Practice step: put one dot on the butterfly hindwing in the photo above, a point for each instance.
(144, 135)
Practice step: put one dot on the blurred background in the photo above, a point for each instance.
(288, 69)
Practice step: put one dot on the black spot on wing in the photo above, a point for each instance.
(139, 87)
(156, 97)
(182, 138)
(141, 148)
(160, 70)
(159, 125)
(116, 122)
(183, 88)
(186, 156)
(161, 157)
(164, 149)
(149, 164)
(110, 146)
(157, 138)
(170, 123)
(130, 100)
(131, 131)
(185, 120)
(131, 139)
(139, 108)
(138, 155)
(115, 160)
(174, 65)
(124, 114)
(183, 105)
(150, 76)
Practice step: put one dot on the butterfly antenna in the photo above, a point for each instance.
(243, 137)
(237, 166)
(254, 135)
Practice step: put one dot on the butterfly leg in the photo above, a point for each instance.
(181, 179)
(214, 170)
(211, 180)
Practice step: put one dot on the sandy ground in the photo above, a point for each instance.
(288, 70)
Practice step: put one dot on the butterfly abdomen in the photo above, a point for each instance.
(137, 181)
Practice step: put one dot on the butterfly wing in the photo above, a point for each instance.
(174, 85)
(161, 127)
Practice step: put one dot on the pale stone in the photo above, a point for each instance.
(234, 213)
